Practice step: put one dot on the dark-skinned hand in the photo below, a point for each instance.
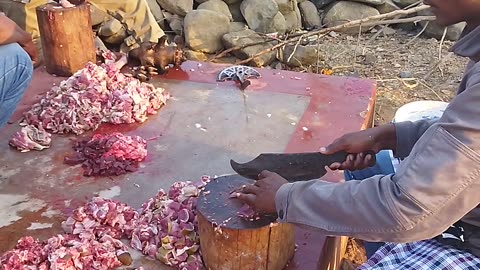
(261, 195)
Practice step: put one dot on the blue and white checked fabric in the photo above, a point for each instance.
(422, 255)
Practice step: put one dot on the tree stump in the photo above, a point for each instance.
(230, 242)
(67, 38)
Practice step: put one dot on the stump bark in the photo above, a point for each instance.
(229, 242)
(67, 38)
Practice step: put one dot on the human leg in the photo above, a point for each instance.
(136, 15)
(383, 166)
(16, 72)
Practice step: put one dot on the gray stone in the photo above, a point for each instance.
(245, 37)
(344, 11)
(157, 12)
(113, 32)
(405, 3)
(203, 35)
(286, 6)
(302, 55)
(405, 74)
(98, 16)
(176, 24)
(436, 31)
(217, 6)
(201, 1)
(310, 15)
(322, 3)
(388, 7)
(371, 2)
(237, 26)
(260, 14)
(236, 12)
(279, 24)
(99, 45)
(179, 7)
(195, 56)
(292, 21)
(301, 1)
(230, 2)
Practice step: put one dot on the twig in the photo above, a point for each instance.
(294, 50)
(441, 43)
(356, 46)
(404, 20)
(427, 86)
(355, 23)
(441, 61)
(318, 52)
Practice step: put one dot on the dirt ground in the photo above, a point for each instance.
(406, 68)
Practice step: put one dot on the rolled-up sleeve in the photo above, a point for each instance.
(435, 186)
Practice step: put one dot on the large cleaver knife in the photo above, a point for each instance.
(293, 167)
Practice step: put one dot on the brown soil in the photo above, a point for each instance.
(406, 68)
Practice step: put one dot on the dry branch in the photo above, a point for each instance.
(369, 21)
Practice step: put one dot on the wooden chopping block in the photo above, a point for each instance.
(67, 37)
(230, 242)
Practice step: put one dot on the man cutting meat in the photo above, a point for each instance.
(134, 14)
(17, 52)
(434, 194)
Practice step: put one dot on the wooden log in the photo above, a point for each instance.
(67, 38)
(229, 242)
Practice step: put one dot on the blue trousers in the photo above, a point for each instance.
(383, 166)
(16, 71)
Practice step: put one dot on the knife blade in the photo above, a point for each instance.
(293, 167)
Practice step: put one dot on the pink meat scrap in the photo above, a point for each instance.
(31, 138)
(101, 217)
(107, 155)
(64, 252)
(167, 228)
(93, 95)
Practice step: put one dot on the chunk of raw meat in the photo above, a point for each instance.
(30, 138)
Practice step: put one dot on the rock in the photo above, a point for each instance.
(371, 2)
(344, 11)
(157, 13)
(310, 15)
(236, 12)
(176, 24)
(292, 20)
(98, 16)
(387, 7)
(436, 31)
(405, 3)
(322, 3)
(279, 24)
(370, 59)
(302, 56)
(388, 31)
(286, 6)
(195, 56)
(99, 45)
(405, 74)
(201, 1)
(179, 7)
(113, 32)
(237, 26)
(203, 35)
(217, 6)
(230, 2)
(300, 1)
(260, 14)
(245, 37)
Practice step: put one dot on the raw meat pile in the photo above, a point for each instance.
(64, 252)
(31, 138)
(165, 229)
(102, 217)
(93, 95)
(107, 155)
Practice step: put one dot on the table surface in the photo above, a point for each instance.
(197, 133)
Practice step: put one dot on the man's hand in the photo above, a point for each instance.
(362, 146)
(261, 195)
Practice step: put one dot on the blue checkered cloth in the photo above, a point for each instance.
(422, 255)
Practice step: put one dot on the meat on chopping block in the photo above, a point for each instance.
(229, 240)
(67, 37)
